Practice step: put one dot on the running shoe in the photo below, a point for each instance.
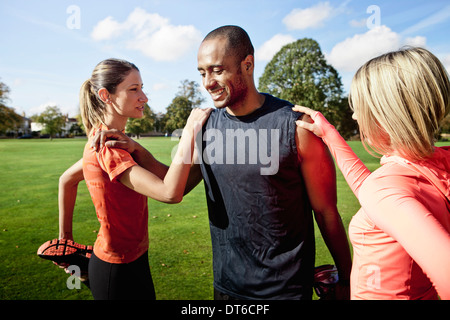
(64, 251)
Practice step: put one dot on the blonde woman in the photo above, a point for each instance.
(400, 236)
(119, 186)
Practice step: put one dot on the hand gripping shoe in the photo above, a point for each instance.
(66, 252)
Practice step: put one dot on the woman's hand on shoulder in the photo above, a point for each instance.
(312, 120)
(114, 139)
(197, 119)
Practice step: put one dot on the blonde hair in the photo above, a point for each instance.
(400, 99)
(107, 74)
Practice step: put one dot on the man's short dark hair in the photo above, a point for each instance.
(238, 40)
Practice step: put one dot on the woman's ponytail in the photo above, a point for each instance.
(91, 108)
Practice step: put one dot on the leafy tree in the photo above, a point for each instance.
(9, 119)
(444, 129)
(160, 122)
(191, 91)
(300, 74)
(347, 127)
(4, 91)
(80, 123)
(188, 97)
(52, 120)
(445, 125)
(142, 125)
(177, 113)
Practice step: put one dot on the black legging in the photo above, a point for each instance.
(128, 281)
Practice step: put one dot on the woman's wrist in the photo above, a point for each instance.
(66, 235)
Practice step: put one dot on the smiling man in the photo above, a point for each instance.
(262, 224)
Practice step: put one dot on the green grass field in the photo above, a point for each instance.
(180, 248)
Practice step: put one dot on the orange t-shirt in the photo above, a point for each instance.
(122, 212)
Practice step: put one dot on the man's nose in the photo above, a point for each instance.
(209, 81)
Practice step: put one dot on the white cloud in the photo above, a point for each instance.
(272, 46)
(149, 33)
(351, 53)
(418, 41)
(106, 29)
(168, 43)
(144, 23)
(313, 17)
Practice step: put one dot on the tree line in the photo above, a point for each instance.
(298, 73)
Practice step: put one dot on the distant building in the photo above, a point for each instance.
(70, 127)
(25, 127)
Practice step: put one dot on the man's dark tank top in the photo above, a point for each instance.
(260, 216)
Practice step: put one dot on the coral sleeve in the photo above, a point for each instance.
(410, 223)
(353, 169)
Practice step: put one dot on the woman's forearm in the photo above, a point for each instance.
(67, 194)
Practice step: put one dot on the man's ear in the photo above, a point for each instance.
(104, 95)
(248, 63)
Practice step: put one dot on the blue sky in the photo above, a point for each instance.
(48, 48)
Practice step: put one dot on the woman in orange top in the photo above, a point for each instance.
(401, 234)
(119, 187)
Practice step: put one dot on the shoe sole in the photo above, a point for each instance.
(65, 251)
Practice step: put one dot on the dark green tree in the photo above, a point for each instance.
(9, 119)
(300, 74)
(177, 113)
(445, 124)
(142, 125)
(188, 97)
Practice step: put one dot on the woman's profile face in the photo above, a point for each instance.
(129, 100)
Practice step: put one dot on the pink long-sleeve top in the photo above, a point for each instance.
(401, 234)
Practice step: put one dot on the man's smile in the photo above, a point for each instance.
(217, 93)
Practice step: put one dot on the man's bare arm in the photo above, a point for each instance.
(319, 173)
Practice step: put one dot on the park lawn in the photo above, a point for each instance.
(180, 248)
